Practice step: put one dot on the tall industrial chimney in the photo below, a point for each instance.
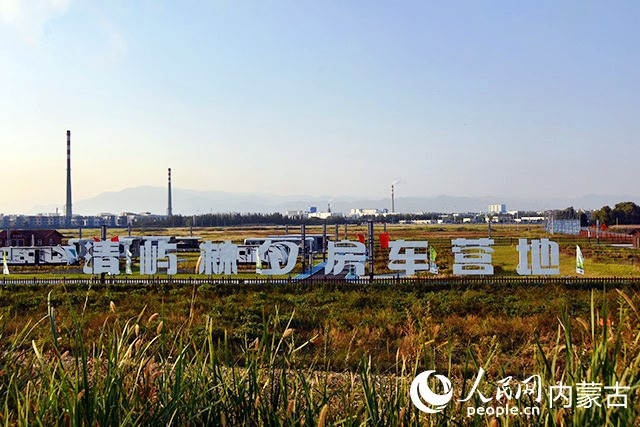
(169, 209)
(393, 200)
(68, 210)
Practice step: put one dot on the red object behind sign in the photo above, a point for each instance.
(360, 237)
(384, 240)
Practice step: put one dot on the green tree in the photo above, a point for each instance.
(603, 215)
(568, 213)
(626, 213)
(623, 213)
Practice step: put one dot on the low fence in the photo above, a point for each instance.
(426, 282)
(606, 236)
(584, 239)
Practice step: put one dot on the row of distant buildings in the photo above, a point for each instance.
(357, 213)
(53, 221)
(495, 213)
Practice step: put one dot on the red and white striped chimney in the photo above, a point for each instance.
(169, 207)
(68, 211)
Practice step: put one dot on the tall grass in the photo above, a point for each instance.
(140, 372)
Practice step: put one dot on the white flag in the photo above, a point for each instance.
(5, 268)
(579, 261)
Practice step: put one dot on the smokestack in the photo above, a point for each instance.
(169, 209)
(68, 210)
(393, 202)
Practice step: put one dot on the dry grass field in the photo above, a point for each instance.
(316, 353)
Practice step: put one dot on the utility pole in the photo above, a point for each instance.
(324, 241)
(103, 237)
(371, 258)
(303, 234)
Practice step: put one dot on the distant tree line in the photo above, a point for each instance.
(249, 219)
(623, 213)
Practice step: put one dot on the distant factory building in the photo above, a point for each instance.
(50, 221)
(44, 221)
(500, 209)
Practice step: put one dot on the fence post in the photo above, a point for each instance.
(371, 257)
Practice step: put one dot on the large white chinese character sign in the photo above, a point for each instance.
(472, 256)
(403, 256)
(343, 254)
(545, 257)
(278, 256)
(155, 256)
(220, 258)
(102, 257)
(281, 256)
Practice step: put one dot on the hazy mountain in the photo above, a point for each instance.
(187, 202)
(154, 199)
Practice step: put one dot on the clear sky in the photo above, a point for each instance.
(505, 98)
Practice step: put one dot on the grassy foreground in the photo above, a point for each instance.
(341, 358)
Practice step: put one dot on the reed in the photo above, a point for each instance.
(141, 371)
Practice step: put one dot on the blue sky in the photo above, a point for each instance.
(529, 99)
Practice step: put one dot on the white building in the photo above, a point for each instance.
(500, 209)
(359, 213)
(295, 214)
(324, 215)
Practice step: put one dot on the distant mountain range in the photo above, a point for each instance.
(188, 202)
